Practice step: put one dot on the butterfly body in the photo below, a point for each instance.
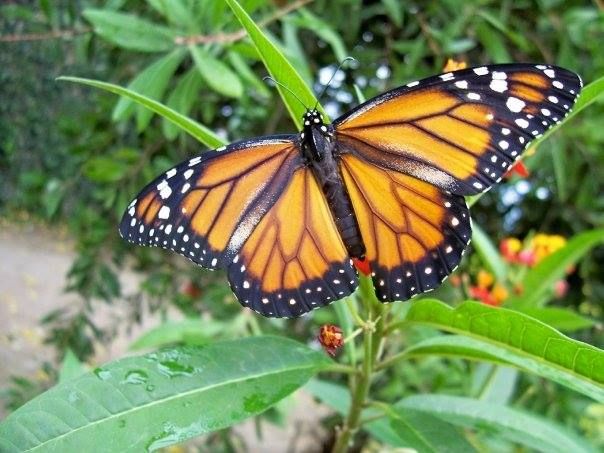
(320, 151)
(284, 214)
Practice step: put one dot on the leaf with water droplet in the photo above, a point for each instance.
(194, 391)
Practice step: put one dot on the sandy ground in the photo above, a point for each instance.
(33, 265)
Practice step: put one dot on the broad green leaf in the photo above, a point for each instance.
(196, 130)
(130, 32)
(279, 68)
(518, 426)
(151, 82)
(425, 432)
(488, 252)
(499, 385)
(541, 278)
(217, 75)
(162, 398)
(563, 319)
(509, 337)
(71, 367)
(182, 99)
(189, 331)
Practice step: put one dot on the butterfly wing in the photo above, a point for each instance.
(206, 207)
(414, 233)
(295, 260)
(460, 131)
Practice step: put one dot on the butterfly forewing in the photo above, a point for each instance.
(460, 131)
(295, 260)
(414, 233)
(206, 207)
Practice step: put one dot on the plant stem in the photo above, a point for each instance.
(360, 383)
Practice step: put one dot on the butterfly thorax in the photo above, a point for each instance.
(320, 152)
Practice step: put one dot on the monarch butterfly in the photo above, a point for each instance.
(385, 182)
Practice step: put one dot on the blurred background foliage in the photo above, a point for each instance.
(74, 156)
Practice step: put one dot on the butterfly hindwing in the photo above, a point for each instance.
(460, 131)
(295, 260)
(414, 233)
(206, 207)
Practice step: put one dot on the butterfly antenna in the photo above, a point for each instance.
(287, 88)
(332, 76)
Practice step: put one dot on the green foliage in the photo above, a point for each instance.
(199, 67)
(123, 405)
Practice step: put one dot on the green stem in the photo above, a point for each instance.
(360, 383)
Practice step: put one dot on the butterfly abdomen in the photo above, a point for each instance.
(326, 170)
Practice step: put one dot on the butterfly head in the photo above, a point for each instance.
(312, 117)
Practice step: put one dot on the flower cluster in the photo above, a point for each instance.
(532, 251)
(487, 290)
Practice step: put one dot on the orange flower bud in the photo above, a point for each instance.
(331, 338)
(499, 293)
(509, 249)
(454, 65)
(517, 169)
(455, 280)
(484, 279)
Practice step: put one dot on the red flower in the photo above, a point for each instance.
(362, 265)
(331, 338)
(560, 288)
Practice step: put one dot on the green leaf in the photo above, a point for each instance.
(130, 32)
(541, 278)
(187, 331)
(279, 68)
(395, 11)
(564, 319)
(176, 11)
(162, 398)
(512, 424)
(217, 75)
(196, 130)
(244, 71)
(105, 169)
(425, 432)
(152, 83)
(488, 253)
(182, 99)
(508, 337)
(71, 367)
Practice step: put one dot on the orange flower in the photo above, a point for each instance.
(509, 249)
(454, 65)
(331, 338)
(546, 244)
(499, 293)
(484, 279)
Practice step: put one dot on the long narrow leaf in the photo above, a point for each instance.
(196, 130)
(506, 336)
(279, 68)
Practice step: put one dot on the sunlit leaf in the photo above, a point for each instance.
(217, 75)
